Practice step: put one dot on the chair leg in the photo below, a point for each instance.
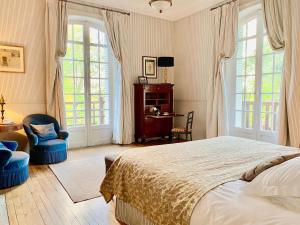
(178, 137)
(186, 136)
(191, 136)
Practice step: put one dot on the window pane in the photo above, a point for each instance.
(266, 46)
(69, 53)
(103, 40)
(70, 32)
(249, 102)
(267, 66)
(79, 69)
(94, 36)
(251, 64)
(250, 84)
(251, 27)
(95, 88)
(238, 119)
(78, 32)
(103, 54)
(240, 67)
(104, 70)
(79, 85)
(104, 102)
(278, 63)
(251, 47)
(68, 68)
(240, 82)
(248, 120)
(94, 70)
(239, 102)
(78, 51)
(68, 85)
(104, 86)
(241, 51)
(267, 84)
(242, 31)
(94, 53)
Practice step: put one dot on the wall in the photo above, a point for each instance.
(193, 48)
(22, 24)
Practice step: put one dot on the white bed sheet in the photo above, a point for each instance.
(229, 205)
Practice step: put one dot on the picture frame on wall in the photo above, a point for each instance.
(149, 67)
(12, 59)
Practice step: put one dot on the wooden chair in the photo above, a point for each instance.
(187, 131)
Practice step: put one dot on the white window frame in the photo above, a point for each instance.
(256, 132)
(89, 134)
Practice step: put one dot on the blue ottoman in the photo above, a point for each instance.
(13, 165)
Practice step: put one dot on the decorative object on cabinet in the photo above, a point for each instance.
(12, 59)
(143, 80)
(150, 67)
(2, 103)
(148, 122)
(187, 131)
(165, 62)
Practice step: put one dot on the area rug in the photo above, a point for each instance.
(82, 173)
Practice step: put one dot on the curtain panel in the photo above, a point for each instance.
(56, 25)
(282, 20)
(224, 33)
(117, 29)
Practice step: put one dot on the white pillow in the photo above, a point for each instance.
(279, 181)
(289, 203)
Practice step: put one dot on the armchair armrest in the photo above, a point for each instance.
(11, 145)
(4, 157)
(63, 134)
(33, 139)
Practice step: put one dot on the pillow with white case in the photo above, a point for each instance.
(282, 180)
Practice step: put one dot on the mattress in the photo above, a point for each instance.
(226, 205)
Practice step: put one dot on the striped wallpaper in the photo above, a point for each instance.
(22, 24)
(193, 49)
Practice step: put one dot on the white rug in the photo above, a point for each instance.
(82, 173)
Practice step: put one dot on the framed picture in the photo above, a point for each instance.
(150, 67)
(12, 59)
(143, 80)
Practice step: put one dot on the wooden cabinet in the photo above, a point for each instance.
(147, 96)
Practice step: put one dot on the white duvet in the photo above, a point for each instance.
(229, 205)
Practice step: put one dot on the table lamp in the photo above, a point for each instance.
(2, 103)
(165, 62)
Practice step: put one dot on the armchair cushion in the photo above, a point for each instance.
(51, 145)
(11, 145)
(63, 134)
(44, 131)
(18, 160)
(5, 156)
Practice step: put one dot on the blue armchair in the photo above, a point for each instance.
(45, 151)
(13, 165)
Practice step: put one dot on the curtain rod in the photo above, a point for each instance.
(96, 7)
(222, 5)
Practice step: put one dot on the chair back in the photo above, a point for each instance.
(39, 119)
(189, 121)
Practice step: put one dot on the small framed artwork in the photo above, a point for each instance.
(150, 67)
(12, 59)
(143, 80)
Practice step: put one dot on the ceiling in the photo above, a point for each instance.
(180, 8)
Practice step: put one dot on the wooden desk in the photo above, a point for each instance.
(171, 115)
(11, 127)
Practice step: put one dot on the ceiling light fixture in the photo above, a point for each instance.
(160, 5)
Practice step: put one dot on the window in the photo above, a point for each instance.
(87, 69)
(257, 80)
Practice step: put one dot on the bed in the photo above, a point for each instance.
(196, 183)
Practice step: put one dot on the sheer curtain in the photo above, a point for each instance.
(117, 29)
(282, 20)
(225, 29)
(56, 26)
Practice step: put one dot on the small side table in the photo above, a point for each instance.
(11, 127)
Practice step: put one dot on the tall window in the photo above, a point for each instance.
(258, 73)
(86, 76)
(87, 70)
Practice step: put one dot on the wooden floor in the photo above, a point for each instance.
(42, 200)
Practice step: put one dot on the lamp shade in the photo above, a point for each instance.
(165, 61)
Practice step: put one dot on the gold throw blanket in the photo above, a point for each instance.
(166, 182)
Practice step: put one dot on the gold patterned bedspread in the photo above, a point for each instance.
(166, 182)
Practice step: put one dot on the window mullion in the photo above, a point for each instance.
(259, 62)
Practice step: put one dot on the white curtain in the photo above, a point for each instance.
(117, 29)
(56, 26)
(282, 20)
(225, 29)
